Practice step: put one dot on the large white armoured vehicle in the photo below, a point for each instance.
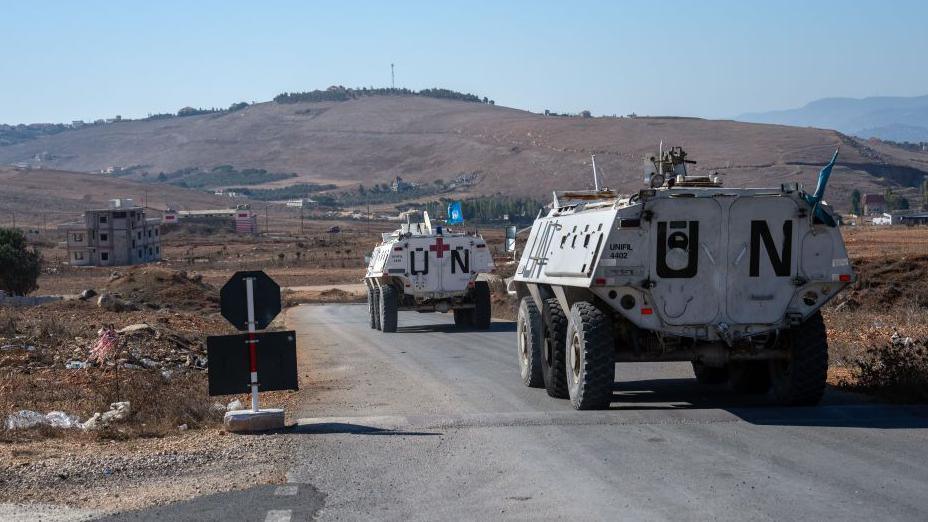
(685, 270)
(428, 269)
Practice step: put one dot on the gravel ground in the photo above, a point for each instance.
(77, 478)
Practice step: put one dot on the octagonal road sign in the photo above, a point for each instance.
(233, 299)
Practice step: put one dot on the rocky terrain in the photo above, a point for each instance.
(131, 429)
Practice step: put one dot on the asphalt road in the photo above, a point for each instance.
(434, 423)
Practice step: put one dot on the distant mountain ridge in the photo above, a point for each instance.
(893, 118)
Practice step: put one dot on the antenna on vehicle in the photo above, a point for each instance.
(428, 221)
(595, 178)
(660, 158)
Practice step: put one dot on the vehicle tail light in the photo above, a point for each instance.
(844, 278)
(647, 311)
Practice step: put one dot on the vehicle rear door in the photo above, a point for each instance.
(763, 258)
(687, 240)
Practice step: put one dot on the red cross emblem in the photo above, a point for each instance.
(439, 247)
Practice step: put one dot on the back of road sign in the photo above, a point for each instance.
(234, 304)
(229, 362)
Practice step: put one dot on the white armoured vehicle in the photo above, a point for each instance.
(428, 269)
(685, 270)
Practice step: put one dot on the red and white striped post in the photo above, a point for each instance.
(252, 340)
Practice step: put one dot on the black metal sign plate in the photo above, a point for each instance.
(234, 305)
(229, 362)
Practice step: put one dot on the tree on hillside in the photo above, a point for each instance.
(855, 202)
(19, 266)
(925, 194)
(894, 202)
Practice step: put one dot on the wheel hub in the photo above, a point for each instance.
(575, 356)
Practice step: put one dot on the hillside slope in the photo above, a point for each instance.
(370, 140)
(51, 197)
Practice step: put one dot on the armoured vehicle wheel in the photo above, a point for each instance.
(554, 348)
(375, 304)
(371, 305)
(800, 379)
(750, 377)
(590, 357)
(482, 312)
(708, 375)
(464, 317)
(529, 329)
(388, 309)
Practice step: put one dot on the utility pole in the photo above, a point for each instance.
(265, 220)
(301, 218)
(392, 78)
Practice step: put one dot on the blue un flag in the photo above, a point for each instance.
(455, 214)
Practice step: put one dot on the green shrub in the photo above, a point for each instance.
(19, 265)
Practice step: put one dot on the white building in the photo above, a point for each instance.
(242, 219)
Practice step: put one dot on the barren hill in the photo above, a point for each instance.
(372, 139)
(51, 196)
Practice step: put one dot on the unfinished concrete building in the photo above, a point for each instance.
(118, 235)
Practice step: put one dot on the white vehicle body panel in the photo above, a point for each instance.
(705, 263)
(430, 264)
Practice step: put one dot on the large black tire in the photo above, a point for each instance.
(463, 317)
(482, 311)
(708, 375)
(800, 379)
(590, 357)
(375, 297)
(372, 306)
(530, 336)
(554, 348)
(388, 309)
(749, 377)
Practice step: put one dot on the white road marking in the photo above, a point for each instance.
(285, 491)
(278, 515)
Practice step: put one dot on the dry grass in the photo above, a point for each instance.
(331, 295)
(896, 370)
(41, 339)
(159, 405)
(867, 242)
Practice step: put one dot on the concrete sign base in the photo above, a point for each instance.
(243, 421)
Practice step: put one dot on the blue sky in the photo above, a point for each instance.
(83, 60)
